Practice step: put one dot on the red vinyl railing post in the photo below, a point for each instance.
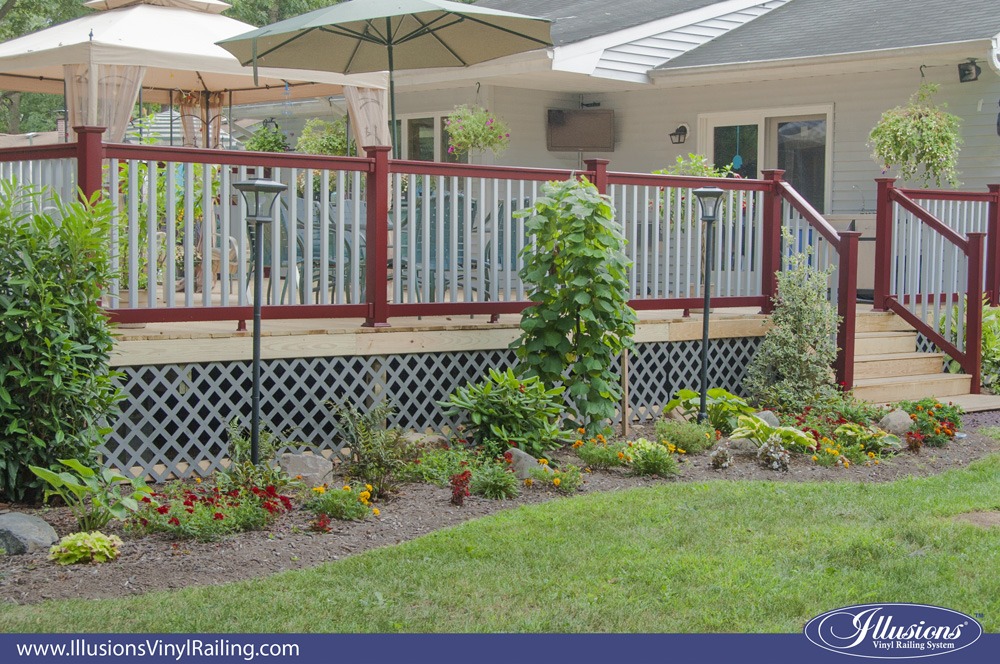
(771, 247)
(993, 247)
(883, 241)
(599, 168)
(377, 238)
(89, 160)
(847, 291)
(974, 311)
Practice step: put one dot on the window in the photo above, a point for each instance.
(424, 139)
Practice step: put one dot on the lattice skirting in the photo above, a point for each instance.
(925, 345)
(173, 419)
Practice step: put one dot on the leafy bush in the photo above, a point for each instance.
(598, 454)
(505, 411)
(267, 139)
(772, 454)
(378, 453)
(919, 135)
(651, 458)
(869, 440)
(564, 480)
(345, 504)
(436, 466)
(792, 368)
(494, 481)
(56, 387)
(688, 436)
(93, 496)
(207, 514)
(760, 432)
(722, 407)
(324, 137)
(934, 423)
(475, 128)
(460, 487)
(94, 547)
(580, 320)
(990, 348)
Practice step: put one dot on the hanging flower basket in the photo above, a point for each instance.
(475, 128)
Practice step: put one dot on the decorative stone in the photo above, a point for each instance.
(896, 422)
(676, 414)
(25, 533)
(769, 418)
(425, 439)
(523, 463)
(313, 469)
(742, 445)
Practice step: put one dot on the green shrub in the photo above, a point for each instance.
(760, 432)
(267, 139)
(436, 466)
(652, 458)
(687, 436)
(868, 440)
(94, 547)
(564, 480)
(57, 391)
(792, 367)
(494, 481)
(934, 423)
(93, 496)
(722, 407)
(599, 455)
(350, 503)
(990, 347)
(580, 320)
(378, 453)
(506, 411)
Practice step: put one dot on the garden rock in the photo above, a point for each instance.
(742, 445)
(522, 463)
(24, 533)
(425, 439)
(313, 469)
(769, 418)
(897, 422)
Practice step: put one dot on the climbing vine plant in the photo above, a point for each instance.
(580, 319)
(919, 135)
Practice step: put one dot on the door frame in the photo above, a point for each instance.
(767, 152)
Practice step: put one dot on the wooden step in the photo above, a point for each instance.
(880, 322)
(888, 365)
(881, 343)
(909, 388)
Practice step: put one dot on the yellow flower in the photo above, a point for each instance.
(581, 431)
(876, 462)
(368, 487)
(557, 481)
(197, 480)
(621, 455)
(815, 458)
(871, 455)
(544, 462)
(375, 511)
(347, 487)
(319, 489)
(847, 464)
(680, 451)
(364, 495)
(528, 481)
(600, 437)
(578, 444)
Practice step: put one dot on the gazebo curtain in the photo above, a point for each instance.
(103, 100)
(198, 110)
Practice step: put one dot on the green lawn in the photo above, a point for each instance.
(713, 557)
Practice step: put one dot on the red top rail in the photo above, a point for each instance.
(926, 217)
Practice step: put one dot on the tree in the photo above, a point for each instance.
(262, 12)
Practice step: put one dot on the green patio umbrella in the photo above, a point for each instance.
(379, 35)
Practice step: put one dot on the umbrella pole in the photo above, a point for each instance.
(392, 91)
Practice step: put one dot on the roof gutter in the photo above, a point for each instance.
(822, 65)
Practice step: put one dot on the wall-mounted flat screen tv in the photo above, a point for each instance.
(580, 130)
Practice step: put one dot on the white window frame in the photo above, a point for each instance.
(760, 117)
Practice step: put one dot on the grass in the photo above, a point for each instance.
(709, 557)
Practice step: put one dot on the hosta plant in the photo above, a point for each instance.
(94, 496)
(760, 432)
(92, 547)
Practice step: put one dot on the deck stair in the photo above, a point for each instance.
(888, 367)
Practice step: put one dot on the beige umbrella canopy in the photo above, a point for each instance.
(166, 47)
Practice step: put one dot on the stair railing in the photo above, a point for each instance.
(930, 276)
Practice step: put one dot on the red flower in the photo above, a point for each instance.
(146, 499)
(286, 501)
(174, 521)
(189, 510)
(163, 509)
(218, 516)
(144, 522)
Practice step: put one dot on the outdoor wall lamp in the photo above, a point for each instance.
(260, 195)
(968, 71)
(709, 200)
(679, 135)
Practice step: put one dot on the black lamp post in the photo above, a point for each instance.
(259, 195)
(709, 199)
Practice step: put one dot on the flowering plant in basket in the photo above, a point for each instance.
(475, 128)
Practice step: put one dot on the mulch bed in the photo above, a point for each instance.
(156, 563)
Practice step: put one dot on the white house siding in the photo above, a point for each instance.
(644, 118)
(631, 61)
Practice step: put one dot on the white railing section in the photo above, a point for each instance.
(313, 252)
(457, 239)
(928, 274)
(57, 175)
(664, 239)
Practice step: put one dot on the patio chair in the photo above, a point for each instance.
(426, 260)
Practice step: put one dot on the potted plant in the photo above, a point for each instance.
(918, 135)
(476, 128)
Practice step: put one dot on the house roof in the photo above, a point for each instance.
(810, 28)
(577, 20)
